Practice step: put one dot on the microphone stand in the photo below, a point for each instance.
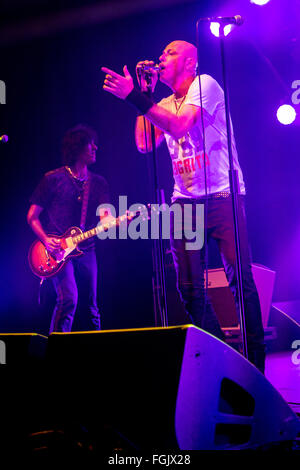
(205, 264)
(159, 283)
(234, 190)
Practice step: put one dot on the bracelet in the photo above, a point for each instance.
(140, 101)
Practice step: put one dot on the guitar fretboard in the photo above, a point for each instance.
(100, 228)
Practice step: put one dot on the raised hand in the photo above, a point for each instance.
(116, 84)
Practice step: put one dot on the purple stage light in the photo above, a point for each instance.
(286, 114)
(260, 2)
(215, 29)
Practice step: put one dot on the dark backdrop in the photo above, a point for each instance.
(54, 82)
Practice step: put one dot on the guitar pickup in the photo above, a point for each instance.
(67, 243)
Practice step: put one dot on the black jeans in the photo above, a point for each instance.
(189, 265)
(78, 272)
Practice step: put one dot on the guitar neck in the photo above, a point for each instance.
(96, 230)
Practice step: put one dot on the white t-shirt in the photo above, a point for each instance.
(187, 152)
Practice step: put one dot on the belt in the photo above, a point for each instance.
(220, 195)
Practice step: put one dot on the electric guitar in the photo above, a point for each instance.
(45, 264)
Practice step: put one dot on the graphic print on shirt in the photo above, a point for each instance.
(193, 174)
(187, 153)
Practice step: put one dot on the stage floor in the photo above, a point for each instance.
(284, 375)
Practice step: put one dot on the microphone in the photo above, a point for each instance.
(238, 20)
(4, 138)
(149, 68)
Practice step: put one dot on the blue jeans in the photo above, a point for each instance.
(79, 272)
(189, 265)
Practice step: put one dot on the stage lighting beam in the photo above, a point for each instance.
(286, 114)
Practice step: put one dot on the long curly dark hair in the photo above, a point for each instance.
(74, 141)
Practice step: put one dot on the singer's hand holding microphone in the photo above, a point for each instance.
(4, 139)
(147, 74)
(122, 85)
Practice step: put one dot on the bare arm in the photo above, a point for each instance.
(175, 125)
(143, 135)
(51, 243)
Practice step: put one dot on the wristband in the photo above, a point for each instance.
(140, 101)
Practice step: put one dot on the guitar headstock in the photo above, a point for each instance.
(142, 211)
(145, 211)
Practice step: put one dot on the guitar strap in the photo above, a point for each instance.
(85, 199)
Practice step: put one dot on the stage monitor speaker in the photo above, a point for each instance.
(291, 309)
(221, 296)
(165, 388)
(285, 319)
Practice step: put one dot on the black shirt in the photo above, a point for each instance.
(61, 195)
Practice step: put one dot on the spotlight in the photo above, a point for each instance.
(286, 114)
(215, 29)
(259, 2)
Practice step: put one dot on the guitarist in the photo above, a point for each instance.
(65, 197)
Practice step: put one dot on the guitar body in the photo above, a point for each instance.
(45, 264)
